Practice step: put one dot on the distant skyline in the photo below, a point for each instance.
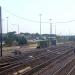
(20, 12)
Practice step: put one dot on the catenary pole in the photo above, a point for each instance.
(0, 32)
(40, 23)
(50, 27)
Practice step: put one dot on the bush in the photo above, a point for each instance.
(21, 40)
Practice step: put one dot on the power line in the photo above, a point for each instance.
(21, 17)
(33, 20)
(66, 21)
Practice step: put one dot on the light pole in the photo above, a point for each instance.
(0, 31)
(50, 26)
(18, 28)
(40, 23)
(55, 29)
(7, 24)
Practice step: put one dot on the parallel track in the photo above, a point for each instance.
(35, 71)
(37, 62)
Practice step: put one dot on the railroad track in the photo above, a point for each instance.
(26, 54)
(28, 62)
(66, 69)
(72, 71)
(37, 70)
(10, 59)
(33, 62)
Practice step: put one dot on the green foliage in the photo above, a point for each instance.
(21, 40)
(58, 38)
(10, 37)
(61, 39)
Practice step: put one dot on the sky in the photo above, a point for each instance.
(26, 15)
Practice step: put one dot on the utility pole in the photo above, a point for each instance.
(55, 29)
(40, 23)
(50, 27)
(7, 24)
(0, 32)
(18, 28)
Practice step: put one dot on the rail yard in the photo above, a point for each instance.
(54, 60)
(37, 37)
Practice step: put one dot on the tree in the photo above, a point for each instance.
(21, 40)
(10, 37)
